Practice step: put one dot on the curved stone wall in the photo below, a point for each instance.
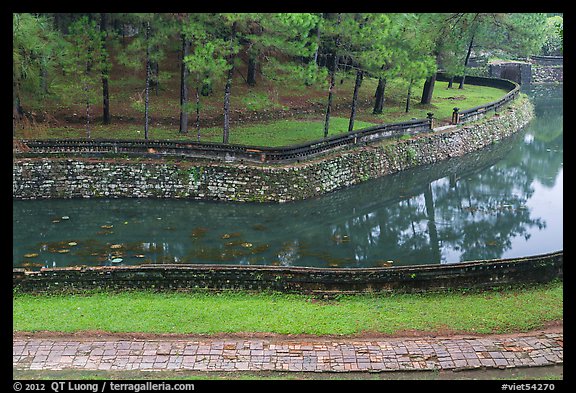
(324, 281)
(116, 177)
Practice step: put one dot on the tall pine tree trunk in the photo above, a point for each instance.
(105, 101)
(198, 112)
(227, 88)
(87, 92)
(317, 46)
(428, 90)
(408, 96)
(466, 62)
(17, 110)
(147, 81)
(105, 90)
(251, 76)
(379, 104)
(155, 67)
(184, 88)
(330, 94)
(43, 78)
(359, 76)
(332, 81)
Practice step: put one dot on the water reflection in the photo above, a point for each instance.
(504, 201)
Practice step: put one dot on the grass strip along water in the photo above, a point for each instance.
(491, 311)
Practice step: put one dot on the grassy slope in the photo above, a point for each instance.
(495, 311)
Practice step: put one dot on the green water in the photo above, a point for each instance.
(504, 201)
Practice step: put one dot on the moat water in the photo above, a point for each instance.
(504, 201)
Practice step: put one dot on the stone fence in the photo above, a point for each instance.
(320, 281)
(547, 60)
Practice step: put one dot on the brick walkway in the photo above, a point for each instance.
(283, 354)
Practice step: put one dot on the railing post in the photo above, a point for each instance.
(430, 117)
(455, 116)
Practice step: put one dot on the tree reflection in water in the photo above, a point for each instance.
(480, 206)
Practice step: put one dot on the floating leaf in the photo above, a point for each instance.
(199, 232)
(31, 264)
(260, 248)
(232, 244)
(230, 235)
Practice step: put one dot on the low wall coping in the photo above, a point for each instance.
(417, 278)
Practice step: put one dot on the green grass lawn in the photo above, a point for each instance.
(271, 133)
(495, 311)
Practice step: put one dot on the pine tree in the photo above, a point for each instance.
(36, 49)
(205, 61)
(369, 35)
(85, 63)
(153, 32)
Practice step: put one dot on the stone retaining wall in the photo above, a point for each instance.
(476, 274)
(544, 74)
(116, 177)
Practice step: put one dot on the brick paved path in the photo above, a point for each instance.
(280, 354)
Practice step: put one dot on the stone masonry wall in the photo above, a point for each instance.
(475, 274)
(66, 177)
(542, 74)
